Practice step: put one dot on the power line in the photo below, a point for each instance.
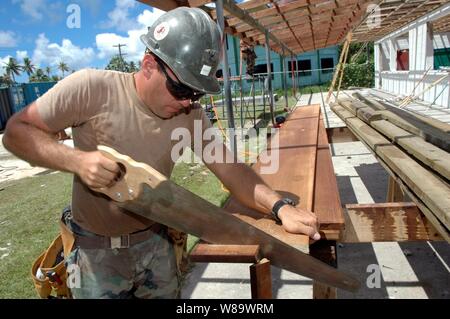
(122, 62)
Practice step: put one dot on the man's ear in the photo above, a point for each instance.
(148, 65)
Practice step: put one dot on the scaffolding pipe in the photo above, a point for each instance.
(254, 102)
(269, 77)
(240, 91)
(293, 77)
(226, 82)
(285, 82)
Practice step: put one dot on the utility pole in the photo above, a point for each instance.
(122, 67)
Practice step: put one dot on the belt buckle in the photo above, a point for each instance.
(120, 241)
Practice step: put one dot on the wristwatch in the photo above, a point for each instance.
(278, 205)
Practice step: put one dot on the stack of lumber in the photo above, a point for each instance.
(414, 150)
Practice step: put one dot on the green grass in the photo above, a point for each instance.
(29, 214)
(201, 181)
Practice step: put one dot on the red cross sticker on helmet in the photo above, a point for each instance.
(161, 31)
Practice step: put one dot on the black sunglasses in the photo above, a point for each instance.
(178, 90)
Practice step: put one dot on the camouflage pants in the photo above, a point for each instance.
(145, 270)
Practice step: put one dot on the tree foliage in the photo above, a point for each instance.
(13, 68)
(39, 76)
(118, 64)
(359, 69)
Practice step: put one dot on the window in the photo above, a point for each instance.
(262, 68)
(304, 67)
(327, 65)
(403, 60)
(441, 58)
(292, 64)
(219, 73)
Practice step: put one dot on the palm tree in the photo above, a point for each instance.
(63, 67)
(48, 70)
(132, 67)
(39, 76)
(6, 80)
(13, 68)
(28, 67)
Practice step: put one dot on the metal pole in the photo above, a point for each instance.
(226, 81)
(293, 77)
(241, 88)
(264, 96)
(285, 82)
(269, 77)
(253, 98)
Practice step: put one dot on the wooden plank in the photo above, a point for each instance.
(386, 222)
(198, 3)
(433, 131)
(295, 176)
(368, 134)
(341, 111)
(225, 253)
(394, 192)
(351, 105)
(361, 110)
(431, 218)
(325, 251)
(431, 190)
(165, 5)
(368, 115)
(327, 204)
(261, 280)
(429, 154)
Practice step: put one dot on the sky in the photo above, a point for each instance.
(81, 33)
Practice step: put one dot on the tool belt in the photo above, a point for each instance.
(48, 271)
(124, 241)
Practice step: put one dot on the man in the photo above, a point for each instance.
(135, 114)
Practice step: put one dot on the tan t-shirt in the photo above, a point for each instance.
(103, 108)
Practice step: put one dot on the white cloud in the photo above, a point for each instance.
(8, 39)
(39, 10)
(119, 16)
(47, 53)
(32, 8)
(20, 55)
(94, 6)
(147, 17)
(134, 47)
(3, 61)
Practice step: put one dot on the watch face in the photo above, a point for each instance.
(289, 201)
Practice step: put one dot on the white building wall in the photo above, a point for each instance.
(441, 40)
(421, 43)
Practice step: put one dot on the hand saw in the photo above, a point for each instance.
(146, 192)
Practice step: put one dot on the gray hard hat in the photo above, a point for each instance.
(188, 41)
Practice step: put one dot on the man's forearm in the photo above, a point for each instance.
(251, 190)
(40, 148)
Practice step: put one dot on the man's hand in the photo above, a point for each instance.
(97, 171)
(296, 220)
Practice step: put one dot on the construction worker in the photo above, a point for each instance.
(120, 254)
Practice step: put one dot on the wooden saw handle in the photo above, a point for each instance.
(129, 185)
